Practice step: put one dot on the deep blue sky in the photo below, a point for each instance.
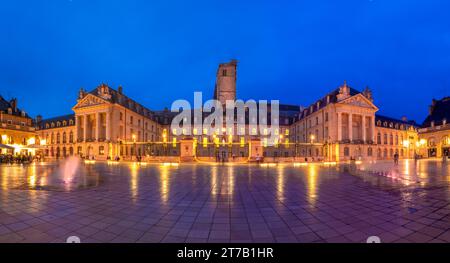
(295, 51)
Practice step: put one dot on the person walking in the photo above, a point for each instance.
(396, 158)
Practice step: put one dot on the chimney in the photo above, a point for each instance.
(120, 89)
(13, 103)
(38, 118)
(431, 108)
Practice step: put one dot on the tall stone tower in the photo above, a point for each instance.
(226, 82)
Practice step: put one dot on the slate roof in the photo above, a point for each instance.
(323, 102)
(439, 111)
(389, 120)
(41, 125)
(4, 105)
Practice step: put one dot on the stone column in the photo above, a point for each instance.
(108, 123)
(372, 127)
(339, 126)
(350, 127)
(85, 119)
(77, 128)
(363, 124)
(98, 124)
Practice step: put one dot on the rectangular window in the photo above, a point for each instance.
(101, 150)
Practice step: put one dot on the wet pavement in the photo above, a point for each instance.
(128, 202)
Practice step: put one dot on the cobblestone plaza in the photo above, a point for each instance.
(131, 202)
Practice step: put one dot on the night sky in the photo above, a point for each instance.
(160, 51)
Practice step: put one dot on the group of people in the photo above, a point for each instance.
(9, 158)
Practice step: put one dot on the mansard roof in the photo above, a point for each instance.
(392, 123)
(117, 97)
(42, 125)
(324, 101)
(5, 105)
(439, 111)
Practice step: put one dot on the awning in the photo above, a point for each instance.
(4, 146)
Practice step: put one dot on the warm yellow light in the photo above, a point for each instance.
(423, 141)
(43, 142)
(174, 142)
(287, 132)
(133, 137)
(406, 143)
(31, 141)
(195, 131)
(4, 137)
(205, 142)
(205, 131)
(242, 141)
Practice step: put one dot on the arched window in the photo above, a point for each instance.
(64, 139)
(431, 142)
(385, 153)
(379, 153)
(396, 139)
(391, 139)
(385, 138)
(369, 151)
(58, 138)
(379, 138)
(71, 137)
(52, 139)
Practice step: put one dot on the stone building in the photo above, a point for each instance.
(346, 124)
(342, 125)
(17, 132)
(435, 130)
(105, 124)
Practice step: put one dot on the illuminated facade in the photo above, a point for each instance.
(17, 132)
(343, 125)
(435, 131)
(346, 124)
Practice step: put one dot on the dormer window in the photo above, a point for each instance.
(432, 124)
(328, 99)
(385, 124)
(53, 124)
(9, 111)
(47, 126)
(23, 113)
(64, 123)
(391, 125)
(379, 123)
(444, 121)
(58, 124)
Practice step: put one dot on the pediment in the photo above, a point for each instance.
(359, 101)
(89, 101)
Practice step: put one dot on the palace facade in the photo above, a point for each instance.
(342, 125)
